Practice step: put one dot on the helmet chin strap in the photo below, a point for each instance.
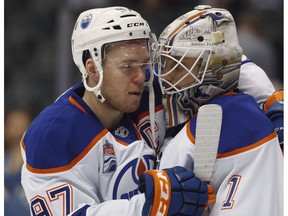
(96, 89)
(97, 92)
(149, 84)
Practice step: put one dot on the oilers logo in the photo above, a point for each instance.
(126, 182)
(109, 158)
(86, 21)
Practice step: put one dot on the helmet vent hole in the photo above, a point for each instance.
(144, 32)
(200, 38)
(95, 52)
(186, 102)
(187, 22)
(218, 14)
(106, 28)
(224, 62)
(128, 15)
(130, 34)
(117, 27)
(111, 21)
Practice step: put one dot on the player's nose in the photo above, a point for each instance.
(140, 75)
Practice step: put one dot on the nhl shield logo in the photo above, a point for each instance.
(122, 132)
(109, 158)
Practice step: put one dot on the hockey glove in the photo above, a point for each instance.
(273, 108)
(174, 191)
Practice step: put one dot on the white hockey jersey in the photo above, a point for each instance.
(72, 161)
(248, 173)
(254, 81)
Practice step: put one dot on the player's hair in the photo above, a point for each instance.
(85, 56)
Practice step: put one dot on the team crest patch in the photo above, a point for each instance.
(122, 132)
(109, 158)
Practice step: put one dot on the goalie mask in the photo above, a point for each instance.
(200, 58)
(96, 28)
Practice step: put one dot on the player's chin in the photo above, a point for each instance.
(132, 107)
(134, 98)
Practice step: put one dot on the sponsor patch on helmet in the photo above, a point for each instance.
(86, 21)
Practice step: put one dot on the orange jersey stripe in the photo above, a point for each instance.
(73, 162)
(121, 142)
(189, 134)
(22, 143)
(236, 151)
(143, 115)
(74, 102)
(169, 110)
(184, 22)
(247, 148)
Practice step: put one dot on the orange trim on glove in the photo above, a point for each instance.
(276, 96)
(162, 192)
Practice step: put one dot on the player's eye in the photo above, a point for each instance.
(127, 65)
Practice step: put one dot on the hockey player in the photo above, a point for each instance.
(83, 154)
(253, 81)
(200, 60)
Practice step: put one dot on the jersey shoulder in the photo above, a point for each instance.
(60, 133)
(243, 123)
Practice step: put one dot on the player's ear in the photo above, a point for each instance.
(91, 70)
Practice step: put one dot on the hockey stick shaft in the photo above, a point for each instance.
(208, 130)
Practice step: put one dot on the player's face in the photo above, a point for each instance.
(124, 74)
(180, 73)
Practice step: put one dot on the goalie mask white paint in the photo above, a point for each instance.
(96, 28)
(208, 35)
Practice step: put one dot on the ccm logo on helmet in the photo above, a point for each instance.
(129, 25)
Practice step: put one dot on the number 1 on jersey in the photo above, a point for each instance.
(233, 186)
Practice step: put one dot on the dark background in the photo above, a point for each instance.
(38, 60)
(38, 64)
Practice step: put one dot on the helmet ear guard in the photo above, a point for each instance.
(204, 33)
(96, 28)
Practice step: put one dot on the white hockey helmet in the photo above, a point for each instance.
(96, 28)
(209, 36)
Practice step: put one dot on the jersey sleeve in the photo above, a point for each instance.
(68, 168)
(254, 81)
(68, 193)
(113, 207)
